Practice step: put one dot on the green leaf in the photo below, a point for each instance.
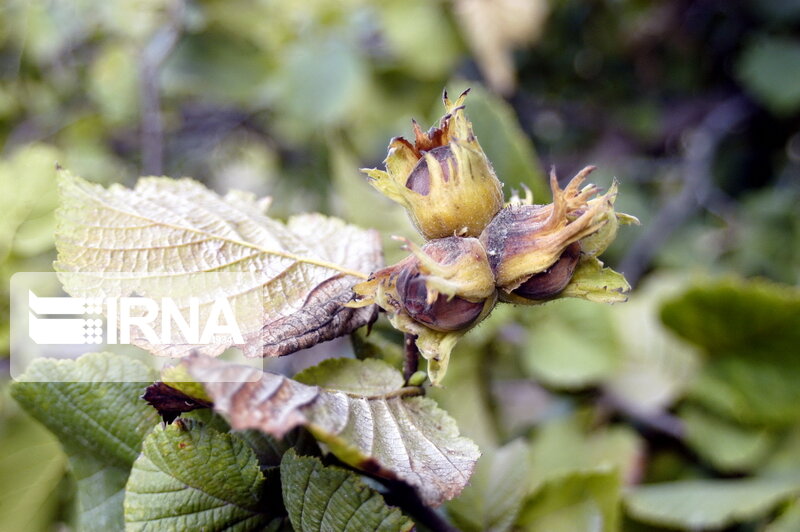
(749, 329)
(31, 467)
(291, 278)
(571, 344)
(420, 36)
(100, 424)
(788, 521)
(27, 224)
(191, 477)
(113, 83)
(655, 367)
(561, 447)
(764, 69)
(370, 421)
(728, 446)
(737, 317)
(496, 491)
(585, 500)
(701, 504)
(320, 498)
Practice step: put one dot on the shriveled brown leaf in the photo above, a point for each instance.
(359, 409)
(169, 402)
(323, 316)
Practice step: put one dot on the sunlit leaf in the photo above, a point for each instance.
(359, 409)
(27, 200)
(320, 498)
(296, 275)
(494, 28)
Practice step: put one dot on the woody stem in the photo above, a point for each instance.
(411, 356)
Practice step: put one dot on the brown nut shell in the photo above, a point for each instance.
(553, 280)
(419, 180)
(443, 314)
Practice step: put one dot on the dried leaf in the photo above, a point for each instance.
(359, 409)
(169, 402)
(286, 282)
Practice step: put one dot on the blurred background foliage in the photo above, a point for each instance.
(580, 409)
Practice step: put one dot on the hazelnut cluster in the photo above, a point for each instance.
(480, 251)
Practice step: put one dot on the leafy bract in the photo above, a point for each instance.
(192, 477)
(496, 491)
(285, 282)
(100, 424)
(750, 331)
(320, 498)
(359, 409)
(714, 504)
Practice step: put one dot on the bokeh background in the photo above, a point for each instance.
(693, 105)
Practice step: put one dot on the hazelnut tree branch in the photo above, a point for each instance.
(697, 189)
(410, 356)
(152, 58)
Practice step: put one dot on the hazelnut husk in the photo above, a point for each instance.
(443, 178)
(525, 240)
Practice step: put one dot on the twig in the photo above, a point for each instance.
(661, 422)
(151, 60)
(411, 356)
(402, 495)
(697, 188)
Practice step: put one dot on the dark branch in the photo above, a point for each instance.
(151, 60)
(697, 191)
(411, 356)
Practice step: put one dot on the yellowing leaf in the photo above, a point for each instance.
(285, 282)
(359, 409)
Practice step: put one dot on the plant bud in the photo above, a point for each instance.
(444, 180)
(530, 247)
